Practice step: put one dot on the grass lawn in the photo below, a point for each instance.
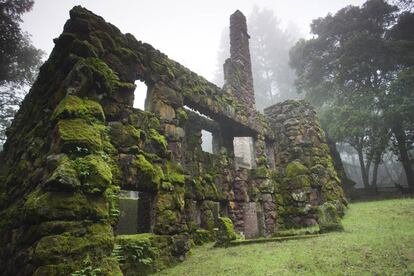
(378, 240)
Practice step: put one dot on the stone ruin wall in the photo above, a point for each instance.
(76, 142)
(303, 164)
(238, 68)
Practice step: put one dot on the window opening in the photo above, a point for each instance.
(244, 152)
(128, 217)
(206, 141)
(270, 153)
(136, 212)
(140, 94)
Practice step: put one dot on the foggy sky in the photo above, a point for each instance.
(188, 31)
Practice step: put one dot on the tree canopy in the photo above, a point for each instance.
(19, 60)
(269, 46)
(357, 69)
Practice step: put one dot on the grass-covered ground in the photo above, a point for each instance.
(378, 240)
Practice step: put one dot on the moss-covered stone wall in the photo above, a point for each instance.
(305, 173)
(77, 141)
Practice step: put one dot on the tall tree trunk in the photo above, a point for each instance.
(364, 173)
(377, 158)
(375, 176)
(347, 183)
(405, 160)
(368, 166)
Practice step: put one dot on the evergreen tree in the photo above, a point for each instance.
(269, 45)
(269, 51)
(356, 69)
(19, 60)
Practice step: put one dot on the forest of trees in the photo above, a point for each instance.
(19, 60)
(269, 50)
(358, 71)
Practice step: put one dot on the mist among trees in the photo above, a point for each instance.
(270, 43)
(19, 60)
(358, 71)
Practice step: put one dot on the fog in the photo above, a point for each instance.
(194, 34)
(187, 31)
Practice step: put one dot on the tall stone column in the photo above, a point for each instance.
(238, 68)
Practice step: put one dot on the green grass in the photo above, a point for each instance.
(378, 240)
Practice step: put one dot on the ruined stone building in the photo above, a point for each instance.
(81, 166)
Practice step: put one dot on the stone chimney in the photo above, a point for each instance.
(238, 77)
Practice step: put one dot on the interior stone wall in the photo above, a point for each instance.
(76, 142)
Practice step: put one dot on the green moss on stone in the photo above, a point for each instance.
(149, 175)
(77, 135)
(202, 236)
(174, 173)
(328, 218)
(261, 172)
(55, 269)
(153, 123)
(106, 75)
(111, 161)
(137, 253)
(261, 161)
(226, 231)
(126, 135)
(207, 220)
(142, 254)
(319, 170)
(97, 238)
(167, 186)
(266, 186)
(167, 222)
(100, 67)
(179, 198)
(46, 206)
(194, 189)
(127, 54)
(64, 176)
(83, 48)
(298, 182)
(210, 191)
(158, 141)
(110, 266)
(112, 197)
(333, 191)
(296, 168)
(165, 201)
(74, 107)
(177, 178)
(181, 115)
(94, 173)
